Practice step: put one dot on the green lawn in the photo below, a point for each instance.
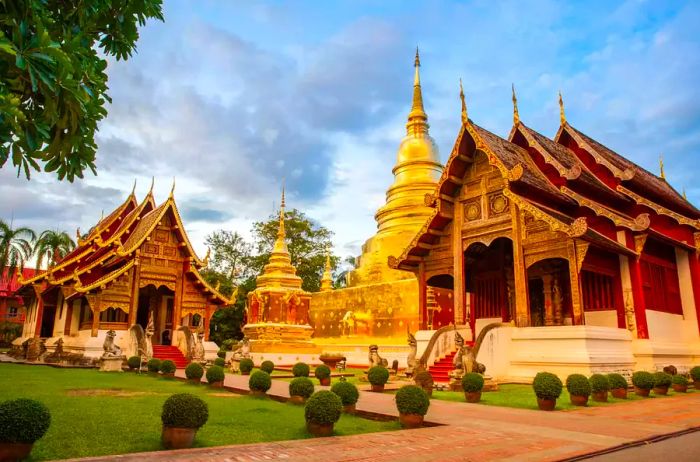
(355, 379)
(97, 413)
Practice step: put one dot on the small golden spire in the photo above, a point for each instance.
(516, 116)
(562, 115)
(465, 117)
(327, 278)
(172, 189)
(662, 174)
(417, 118)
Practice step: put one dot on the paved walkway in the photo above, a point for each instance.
(466, 432)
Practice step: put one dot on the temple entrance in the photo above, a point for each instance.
(47, 321)
(549, 293)
(159, 301)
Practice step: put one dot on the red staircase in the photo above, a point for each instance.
(442, 368)
(172, 353)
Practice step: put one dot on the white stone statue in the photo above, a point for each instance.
(411, 361)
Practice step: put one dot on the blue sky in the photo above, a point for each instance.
(231, 97)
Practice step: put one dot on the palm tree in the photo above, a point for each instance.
(52, 246)
(15, 248)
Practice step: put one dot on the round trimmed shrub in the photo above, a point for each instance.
(134, 362)
(547, 385)
(194, 371)
(301, 370)
(695, 373)
(168, 367)
(378, 375)
(23, 420)
(221, 362)
(322, 372)
(153, 365)
(472, 382)
(347, 392)
(662, 379)
(215, 374)
(617, 381)
(578, 385)
(679, 380)
(267, 366)
(643, 380)
(259, 381)
(246, 365)
(412, 399)
(323, 408)
(424, 379)
(301, 386)
(599, 383)
(221, 354)
(184, 410)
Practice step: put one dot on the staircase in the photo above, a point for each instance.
(442, 368)
(172, 353)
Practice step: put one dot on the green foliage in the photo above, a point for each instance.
(53, 80)
(227, 345)
(246, 365)
(227, 322)
(267, 366)
(617, 381)
(662, 379)
(643, 380)
(184, 410)
(134, 362)
(472, 382)
(599, 383)
(221, 354)
(215, 374)
(695, 373)
(412, 399)
(301, 370)
(348, 393)
(259, 381)
(324, 407)
(153, 365)
(168, 367)
(8, 332)
(679, 380)
(378, 375)
(15, 243)
(23, 420)
(52, 246)
(578, 384)
(301, 386)
(194, 371)
(547, 385)
(424, 379)
(322, 372)
(221, 362)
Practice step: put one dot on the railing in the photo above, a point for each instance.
(441, 343)
(184, 340)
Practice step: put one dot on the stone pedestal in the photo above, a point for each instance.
(111, 364)
(490, 384)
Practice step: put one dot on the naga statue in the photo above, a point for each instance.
(464, 361)
(111, 350)
(375, 359)
(198, 350)
(35, 348)
(411, 361)
(150, 330)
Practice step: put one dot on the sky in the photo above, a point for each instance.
(233, 98)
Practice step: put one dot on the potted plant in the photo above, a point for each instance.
(348, 394)
(215, 376)
(695, 374)
(323, 374)
(300, 388)
(194, 373)
(301, 370)
(267, 366)
(258, 383)
(183, 414)
(378, 377)
(547, 387)
(679, 383)
(618, 385)
(331, 359)
(599, 387)
(643, 382)
(221, 362)
(579, 389)
(472, 384)
(662, 381)
(412, 403)
(424, 380)
(134, 363)
(322, 411)
(168, 368)
(246, 366)
(153, 366)
(22, 422)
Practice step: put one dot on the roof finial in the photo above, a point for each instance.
(153, 182)
(662, 174)
(562, 115)
(77, 234)
(133, 189)
(417, 118)
(465, 118)
(172, 189)
(685, 196)
(516, 116)
(102, 215)
(206, 257)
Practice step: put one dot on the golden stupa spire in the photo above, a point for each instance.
(327, 278)
(465, 117)
(280, 244)
(562, 115)
(662, 173)
(417, 118)
(516, 115)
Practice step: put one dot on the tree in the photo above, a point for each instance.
(52, 246)
(15, 248)
(53, 84)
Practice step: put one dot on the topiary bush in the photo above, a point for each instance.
(215, 374)
(221, 362)
(168, 367)
(617, 381)
(412, 399)
(301, 370)
(194, 371)
(643, 380)
(221, 354)
(423, 379)
(323, 408)
(246, 365)
(695, 373)
(547, 385)
(153, 365)
(134, 362)
(578, 385)
(662, 380)
(599, 383)
(322, 372)
(23, 421)
(679, 380)
(184, 410)
(378, 375)
(259, 381)
(267, 366)
(472, 382)
(301, 386)
(347, 392)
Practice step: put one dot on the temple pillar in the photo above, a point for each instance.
(39, 315)
(522, 311)
(206, 321)
(458, 265)
(134, 305)
(422, 308)
(177, 298)
(694, 266)
(635, 269)
(548, 305)
(576, 254)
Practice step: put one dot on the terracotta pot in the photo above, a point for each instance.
(619, 393)
(245, 373)
(10, 452)
(661, 390)
(194, 381)
(325, 382)
(600, 396)
(319, 429)
(680, 388)
(349, 409)
(178, 438)
(377, 388)
(472, 396)
(579, 400)
(546, 404)
(411, 420)
(257, 393)
(331, 362)
(641, 391)
(219, 384)
(295, 399)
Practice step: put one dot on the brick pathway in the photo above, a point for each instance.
(467, 432)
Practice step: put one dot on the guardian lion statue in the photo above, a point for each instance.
(111, 349)
(464, 361)
(375, 359)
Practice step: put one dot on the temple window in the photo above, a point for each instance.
(113, 315)
(660, 278)
(597, 291)
(85, 316)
